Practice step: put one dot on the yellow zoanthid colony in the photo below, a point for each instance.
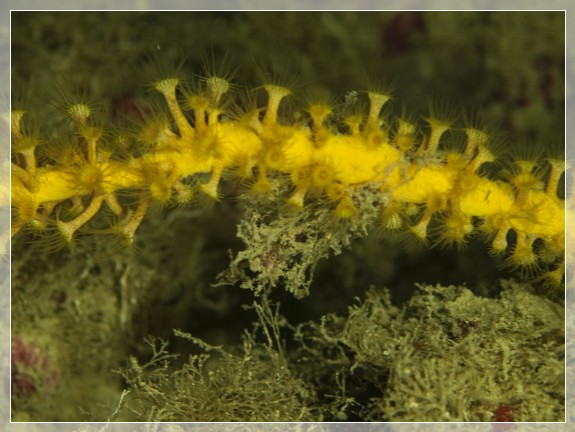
(137, 216)
(420, 174)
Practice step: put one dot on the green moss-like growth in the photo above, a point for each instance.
(452, 356)
(448, 355)
(283, 245)
(255, 385)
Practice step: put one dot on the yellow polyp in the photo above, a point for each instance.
(438, 128)
(405, 137)
(200, 105)
(301, 177)
(67, 229)
(274, 158)
(16, 123)
(211, 188)
(345, 208)
(550, 250)
(335, 191)
(129, 228)
(26, 207)
(525, 166)
(375, 138)
(322, 176)
(557, 168)
(467, 181)
(91, 134)
(354, 122)
(525, 180)
(435, 202)
(297, 198)
(245, 168)
(318, 113)
(182, 193)
(216, 87)
(167, 85)
(252, 121)
(275, 96)
(25, 144)
(261, 186)
(499, 242)
(523, 254)
(77, 206)
(455, 229)
(154, 130)
(554, 278)
(160, 189)
(391, 217)
(420, 228)
(113, 204)
(376, 103)
(213, 116)
(475, 139)
(456, 161)
(168, 88)
(90, 177)
(79, 113)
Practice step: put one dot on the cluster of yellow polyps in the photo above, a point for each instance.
(421, 178)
